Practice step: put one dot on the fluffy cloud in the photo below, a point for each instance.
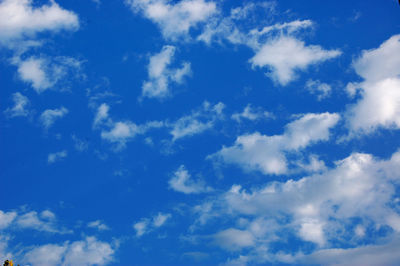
(160, 76)
(325, 209)
(120, 132)
(88, 251)
(275, 46)
(19, 19)
(49, 116)
(268, 153)
(252, 114)
(44, 221)
(146, 225)
(44, 73)
(21, 103)
(57, 156)
(182, 182)
(174, 19)
(286, 55)
(379, 105)
(197, 122)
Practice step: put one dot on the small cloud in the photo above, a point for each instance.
(49, 116)
(98, 225)
(322, 90)
(57, 156)
(146, 225)
(182, 182)
(160, 75)
(21, 103)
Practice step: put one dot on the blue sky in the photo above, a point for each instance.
(200, 132)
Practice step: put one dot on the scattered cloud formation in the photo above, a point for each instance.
(252, 114)
(198, 121)
(49, 116)
(88, 251)
(379, 105)
(146, 225)
(175, 19)
(183, 182)
(268, 153)
(44, 73)
(321, 207)
(160, 75)
(57, 156)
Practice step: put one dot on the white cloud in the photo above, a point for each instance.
(44, 73)
(268, 153)
(369, 255)
(319, 206)
(160, 75)
(21, 103)
(99, 225)
(251, 114)
(379, 105)
(322, 90)
(89, 251)
(19, 19)
(182, 182)
(43, 221)
(234, 239)
(49, 116)
(146, 225)
(286, 55)
(57, 156)
(197, 122)
(174, 19)
(275, 46)
(6, 218)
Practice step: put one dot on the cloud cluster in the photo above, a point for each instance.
(183, 182)
(20, 20)
(160, 75)
(147, 225)
(379, 106)
(349, 203)
(268, 153)
(174, 19)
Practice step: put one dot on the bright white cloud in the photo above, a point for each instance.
(21, 103)
(56, 156)
(286, 55)
(198, 121)
(252, 114)
(319, 206)
(379, 105)
(146, 225)
(49, 116)
(275, 46)
(89, 251)
(322, 90)
(174, 19)
(268, 153)
(160, 75)
(19, 19)
(182, 182)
